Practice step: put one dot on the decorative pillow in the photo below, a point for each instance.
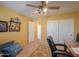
(12, 50)
(6, 44)
(17, 48)
(9, 50)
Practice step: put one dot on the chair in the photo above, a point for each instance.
(54, 51)
(77, 38)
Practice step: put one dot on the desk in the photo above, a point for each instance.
(70, 44)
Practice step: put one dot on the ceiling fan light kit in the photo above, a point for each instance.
(42, 8)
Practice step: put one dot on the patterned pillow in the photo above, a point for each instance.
(12, 50)
(17, 48)
(8, 50)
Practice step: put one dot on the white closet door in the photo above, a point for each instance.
(52, 29)
(66, 30)
(61, 30)
(31, 31)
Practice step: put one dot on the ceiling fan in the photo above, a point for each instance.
(43, 6)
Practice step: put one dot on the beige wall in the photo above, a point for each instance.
(22, 36)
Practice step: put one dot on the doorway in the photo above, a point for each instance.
(39, 32)
(31, 31)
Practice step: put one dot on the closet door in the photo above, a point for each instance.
(66, 30)
(52, 29)
(61, 30)
(31, 31)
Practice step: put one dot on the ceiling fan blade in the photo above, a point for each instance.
(32, 5)
(53, 7)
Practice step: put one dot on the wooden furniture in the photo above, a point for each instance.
(35, 49)
(72, 44)
(29, 49)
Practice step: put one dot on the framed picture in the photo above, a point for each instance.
(14, 25)
(3, 26)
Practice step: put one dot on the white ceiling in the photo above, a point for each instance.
(20, 6)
